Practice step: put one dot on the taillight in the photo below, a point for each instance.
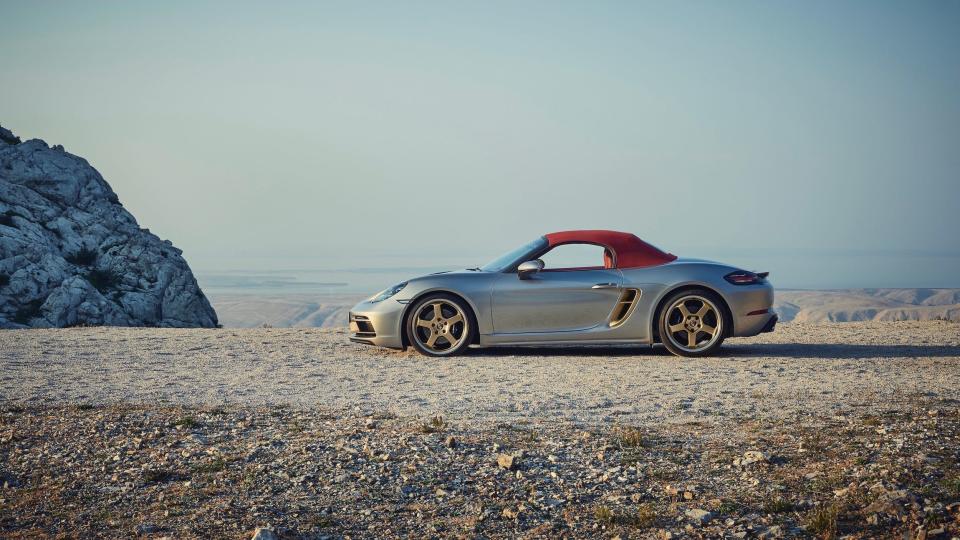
(742, 277)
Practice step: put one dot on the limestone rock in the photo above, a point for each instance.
(70, 254)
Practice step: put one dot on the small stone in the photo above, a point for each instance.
(370, 423)
(753, 456)
(199, 438)
(263, 533)
(451, 442)
(506, 461)
(699, 515)
(771, 533)
(688, 495)
(145, 528)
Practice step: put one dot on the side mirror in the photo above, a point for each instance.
(527, 269)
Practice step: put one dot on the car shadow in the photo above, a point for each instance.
(840, 350)
(761, 350)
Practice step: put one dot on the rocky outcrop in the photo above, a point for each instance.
(70, 254)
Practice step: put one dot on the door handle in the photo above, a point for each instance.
(604, 286)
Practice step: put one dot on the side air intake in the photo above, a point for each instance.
(625, 306)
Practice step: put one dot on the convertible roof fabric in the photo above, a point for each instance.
(629, 251)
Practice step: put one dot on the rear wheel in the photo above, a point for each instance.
(692, 323)
(440, 325)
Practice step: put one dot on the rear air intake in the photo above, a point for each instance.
(625, 306)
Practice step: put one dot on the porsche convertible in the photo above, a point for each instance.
(571, 288)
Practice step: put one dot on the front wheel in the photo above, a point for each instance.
(440, 325)
(692, 323)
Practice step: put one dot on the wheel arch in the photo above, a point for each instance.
(405, 341)
(667, 293)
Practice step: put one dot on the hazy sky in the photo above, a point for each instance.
(817, 140)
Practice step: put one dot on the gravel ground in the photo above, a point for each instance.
(821, 368)
(816, 430)
(121, 471)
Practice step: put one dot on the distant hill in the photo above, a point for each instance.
(844, 305)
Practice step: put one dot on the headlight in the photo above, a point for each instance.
(387, 293)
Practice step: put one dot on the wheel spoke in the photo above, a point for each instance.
(691, 339)
(455, 319)
(677, 327)
(450, 339)
(437, 313)
(708, 329)
(704, 309)
(432, 340)
(683, 309)
(424, 324)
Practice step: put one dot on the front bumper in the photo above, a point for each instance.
(377, 323)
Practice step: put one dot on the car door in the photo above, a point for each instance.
(564, 299)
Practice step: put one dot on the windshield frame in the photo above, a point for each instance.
(509, 261)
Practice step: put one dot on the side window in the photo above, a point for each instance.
(570, 256)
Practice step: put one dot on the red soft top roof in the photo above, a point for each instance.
(628, 250)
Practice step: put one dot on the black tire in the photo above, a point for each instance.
(462, 332)
(671, 316)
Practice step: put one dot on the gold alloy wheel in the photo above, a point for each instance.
(439, 326)
(693, 323)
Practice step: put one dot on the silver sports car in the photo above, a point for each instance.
(571, 288)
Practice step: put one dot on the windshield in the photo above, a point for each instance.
(507, 260)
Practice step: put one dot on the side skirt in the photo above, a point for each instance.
(512, 341)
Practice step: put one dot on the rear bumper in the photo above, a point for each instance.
(751, 307)
(377, 323)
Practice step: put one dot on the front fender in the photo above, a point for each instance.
(475, 291)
